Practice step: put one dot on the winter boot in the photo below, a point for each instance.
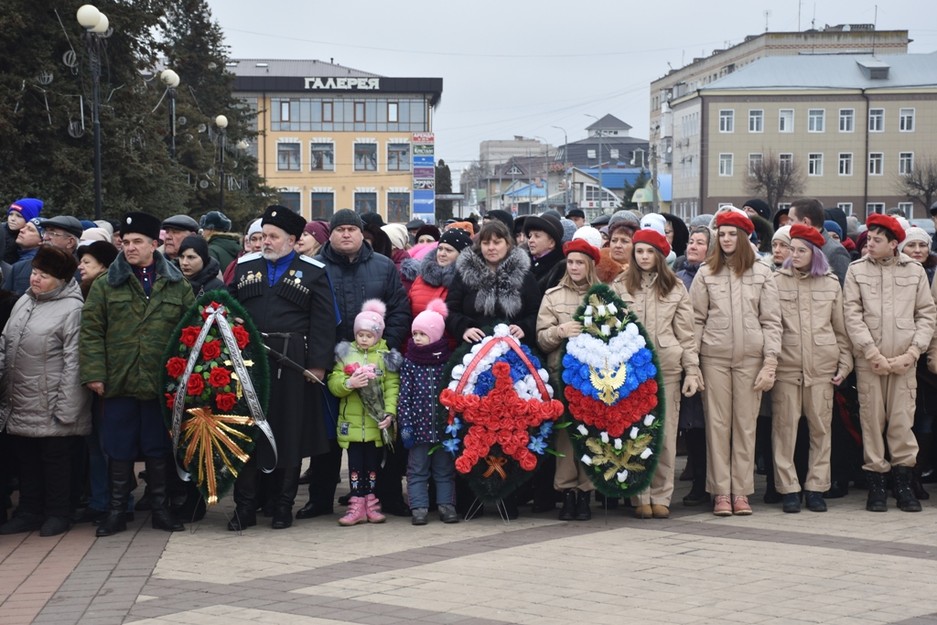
(583, 511)
(119, 477)
(245, 499)
(568, 511)
(373, 509)
(161, 518)
(283, 510)
(878, 498)
(357, 512)
(901, 477)
(696, 455)
(923, 460)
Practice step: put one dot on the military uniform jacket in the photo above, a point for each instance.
(298, 311)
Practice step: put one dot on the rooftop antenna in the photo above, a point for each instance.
(799, 3)
(813, 20)
(767, 15)
(874, 28)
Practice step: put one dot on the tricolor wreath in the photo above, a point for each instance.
(497, 414)
(216, 388)
(615, 395)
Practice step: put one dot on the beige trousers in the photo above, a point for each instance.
(570, 472)
(661, 488)
(886, 412)
(790, 400)
(731, 405)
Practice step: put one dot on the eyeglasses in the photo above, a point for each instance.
(55, 235)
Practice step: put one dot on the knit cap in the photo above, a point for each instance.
(432, 321)
(371, 318)
(28, 207)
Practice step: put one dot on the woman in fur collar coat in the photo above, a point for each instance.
(493, 284)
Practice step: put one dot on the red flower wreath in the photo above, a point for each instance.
(189, 335)
(196, 384)
(219, 377)
(211, 349)
(175, 366)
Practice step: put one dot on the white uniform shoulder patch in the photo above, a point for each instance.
(249, 257)
(311, 261)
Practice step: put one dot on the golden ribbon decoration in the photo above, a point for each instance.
(496, 465)
(206, 432)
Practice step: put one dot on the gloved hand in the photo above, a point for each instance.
(692, 385)
(764, 381)
(880, 364)
(569, 329)
(902, 364)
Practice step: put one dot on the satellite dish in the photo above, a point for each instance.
(44, 78)
(203, 184)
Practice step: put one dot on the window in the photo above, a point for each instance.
(291, 200)
(398, 207)
(783, 205)
(365, 157)
(322, 157)
(359, 112)
(284, 110)
(398, 158)
(845, 163)
(365, 202)
(786, 120)
(874, 207)
(327, 112)
(876, 163)
(906, 120)
(815, 164)
(785, 161)
(846, 207)
(847, 120)
(816, 120)
(323, 205)
(725, 164)
(288, 158)
(754, 163)
(905, 163)
(876, 120)
(907, 209)
(726, 120)
(393, 114)
(756, 120)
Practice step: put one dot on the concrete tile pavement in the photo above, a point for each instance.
(844, 566)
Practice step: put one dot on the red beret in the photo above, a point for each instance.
(654, 238)
(583, 247)
(734, 218)
(888, 222)
(807, 233)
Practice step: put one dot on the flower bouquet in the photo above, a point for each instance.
(614, 394)
(372, 398)
(216, 389)
(497, 413)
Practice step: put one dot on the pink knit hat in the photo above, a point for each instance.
(371, 318)
(432, 321)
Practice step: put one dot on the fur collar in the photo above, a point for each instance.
(120, 270)
(433, 274)
(498, 288)
(607, 269)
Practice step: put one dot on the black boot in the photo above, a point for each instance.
(119, 477)
(161, 518)
(923, 460)
(696, 455)
(901, 477)
(583, 511)
(245, 499)
(568, 511)
(878, 499)
(283, 510)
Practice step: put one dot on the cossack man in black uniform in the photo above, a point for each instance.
(289, 298)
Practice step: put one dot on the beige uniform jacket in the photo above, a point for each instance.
(558, 306)
(888, 305)
(814, 341)
(668, 321)
(736, 317)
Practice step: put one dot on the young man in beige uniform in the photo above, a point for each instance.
(890, 312)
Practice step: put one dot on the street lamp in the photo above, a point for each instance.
(96, 27)
(171, 80)
(601, 188)
(221, 122)
(565, 158)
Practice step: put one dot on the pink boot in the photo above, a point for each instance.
(357, 512)
(373, 506)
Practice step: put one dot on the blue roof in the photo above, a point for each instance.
(665, 187)
(615, 178)
(527, 191)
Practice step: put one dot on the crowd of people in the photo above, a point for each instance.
(797, 343)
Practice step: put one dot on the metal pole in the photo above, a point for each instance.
(95, 61)
(172, 123)
(565, 157)
(223, 132)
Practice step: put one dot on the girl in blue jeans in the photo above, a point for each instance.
(420, 374)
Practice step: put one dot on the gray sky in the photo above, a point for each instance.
(520, 67)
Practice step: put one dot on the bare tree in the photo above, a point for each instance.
(921, 183)
(775, 180)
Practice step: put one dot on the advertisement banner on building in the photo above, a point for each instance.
(424, 177)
